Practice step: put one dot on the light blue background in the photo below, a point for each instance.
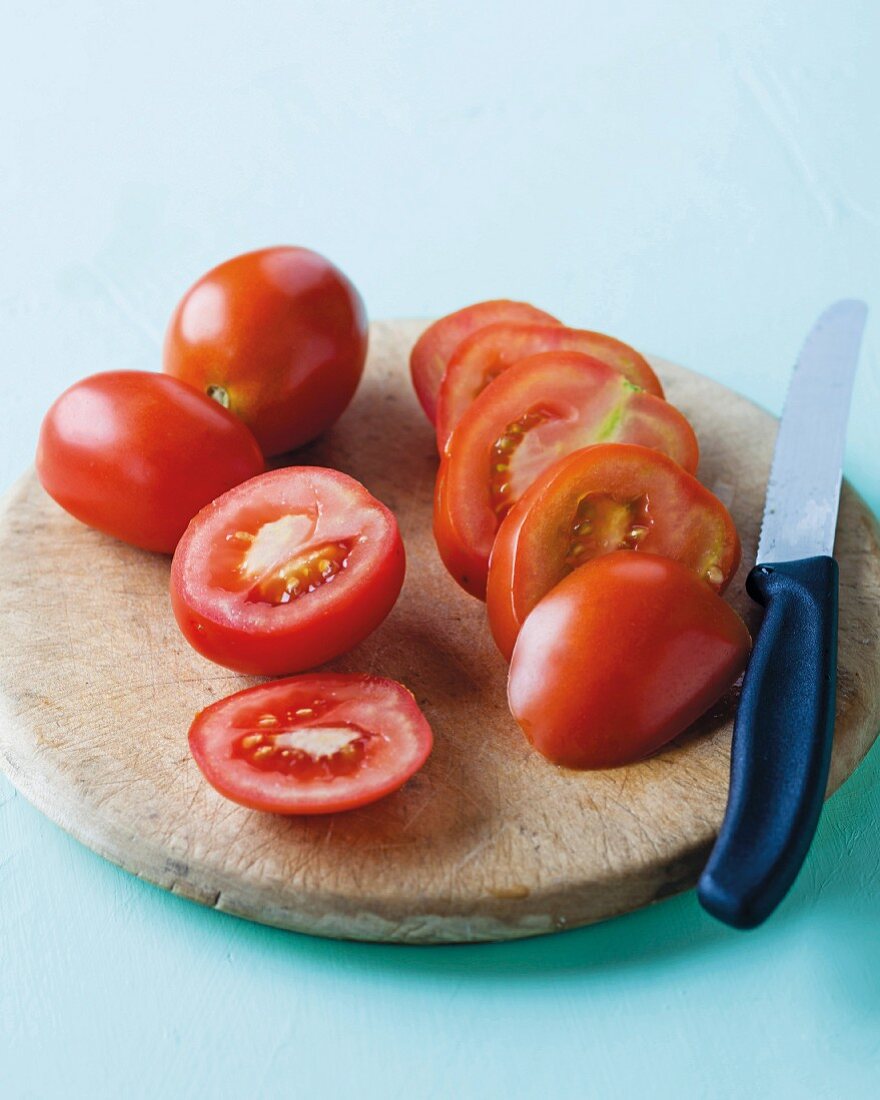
(699, 178)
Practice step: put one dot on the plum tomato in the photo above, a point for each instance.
(312, 744)
(279, 336)
(537, 411)
(620, 657)
(613, 496)
(482, 356)
(286, 571)
(137, 454)
(433, 349)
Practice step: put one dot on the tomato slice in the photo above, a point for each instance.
(620, 657)
(537, 411)
(485, 354)
(613, 496)
(433, 349)
(311, 744)
(286, 571)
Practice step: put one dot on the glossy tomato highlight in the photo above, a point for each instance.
(433, 349)
(286, 571)
(533, 414)
(311, 744)
(613, 496)
(137, 454)
(490, 351)
(279, 336)
(620, 657)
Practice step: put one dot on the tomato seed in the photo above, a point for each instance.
(501, 457)
(603, 523)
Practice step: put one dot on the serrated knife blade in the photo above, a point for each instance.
(800, 510)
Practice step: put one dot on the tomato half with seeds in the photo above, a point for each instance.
(433, 349)
(137, 454)
(533, 414)
(620, 657)
(279, 336)
(311, 744)
(487, 353)
(286, 571)
(613, 496)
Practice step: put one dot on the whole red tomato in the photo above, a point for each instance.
(279, 336)
(137, 454)
(620, 657)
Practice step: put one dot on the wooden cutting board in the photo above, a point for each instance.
(489, 841)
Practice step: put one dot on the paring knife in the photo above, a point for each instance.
(783, 732)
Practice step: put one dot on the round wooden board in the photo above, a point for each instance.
(489, 841)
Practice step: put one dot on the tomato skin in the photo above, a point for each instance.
(683, 519)
(136, 455)
(485, 354)
(433, 349)
(401, 743)
(621, 657)
(282, 332)
(213, 605)
(589, 401)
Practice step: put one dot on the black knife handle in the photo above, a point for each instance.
(781, 743)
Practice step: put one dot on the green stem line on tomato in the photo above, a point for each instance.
(488, 352)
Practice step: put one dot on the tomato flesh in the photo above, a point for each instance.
(279, 336)
(485, 354)
(612, 496)
(533, 414)
(433, 349)
(311, 744)
(287, 571)
(621, 657)
(136, 455)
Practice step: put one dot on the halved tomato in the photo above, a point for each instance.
(311, 744)
(536, 412)
(433, 349)
(613, 496)
(491, 350)
(286, 571)
(620, 657)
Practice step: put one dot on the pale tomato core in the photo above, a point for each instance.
(299, 744)
(283, 559)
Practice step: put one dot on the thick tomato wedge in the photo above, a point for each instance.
(311, 744)
(137, 454)
(620, 657)
(286, 571)
(433, 349)
(614, 496)
(279, 336)
(533, 414)
(482, 356)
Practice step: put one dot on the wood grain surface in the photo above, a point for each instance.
(489, 841)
